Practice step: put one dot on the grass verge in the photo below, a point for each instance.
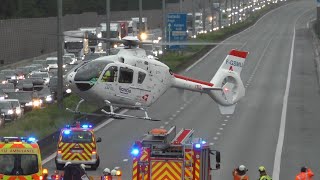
(42, 122)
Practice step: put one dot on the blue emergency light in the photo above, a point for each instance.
(198, 146)
(31, 140)
(85, 126)
(66, 132)
(135, 151)
(203, 142)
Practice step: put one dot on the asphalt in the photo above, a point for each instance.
(249, 136)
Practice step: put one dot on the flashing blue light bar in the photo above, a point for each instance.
(31, 139)
(85, 126)
(203, 142)
(66, 132)
(135, 152)
(198, 146)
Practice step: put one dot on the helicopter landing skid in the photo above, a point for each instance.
(117, 115)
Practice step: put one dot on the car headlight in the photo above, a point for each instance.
(10, 111)
(18, 111)
(160, 52)
(64, 66)
(29, 103)
(68, 91)
(49, 98)
(13, 77)
(36, 103)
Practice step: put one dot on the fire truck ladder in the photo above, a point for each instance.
(184, 139)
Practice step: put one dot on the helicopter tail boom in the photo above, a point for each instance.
(226, 87)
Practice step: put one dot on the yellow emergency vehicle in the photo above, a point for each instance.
(77, 144)
(163, 155)
(20, 158)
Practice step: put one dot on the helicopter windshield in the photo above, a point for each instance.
(91, 70)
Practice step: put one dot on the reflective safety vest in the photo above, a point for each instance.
(265, 177)
(305, 175)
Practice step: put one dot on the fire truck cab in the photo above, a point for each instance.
(77, 144)
(20, 158)
(163, 154)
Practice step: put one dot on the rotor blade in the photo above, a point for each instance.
(195, 43)
(128, 116)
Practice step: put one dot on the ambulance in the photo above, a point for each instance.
(20, 158)
(163, 155)
(77, 144)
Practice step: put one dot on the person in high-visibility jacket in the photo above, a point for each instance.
(240, 173)
(263, 174)
(305, 174)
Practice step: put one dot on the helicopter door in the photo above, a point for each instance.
(110, 79)
(125, 82)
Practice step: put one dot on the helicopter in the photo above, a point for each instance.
(130, 79)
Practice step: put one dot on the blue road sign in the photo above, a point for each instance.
(176, 28)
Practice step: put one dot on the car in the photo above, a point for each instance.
(25, 85)
(44, 94)
(26, 99)
(7, 87)
(10, 75)
(7, 109)
(41, 75)
(73, 56)
(18, 111)
(52, 63)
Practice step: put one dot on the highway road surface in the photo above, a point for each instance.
(275, 124)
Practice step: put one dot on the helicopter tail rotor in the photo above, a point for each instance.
(228, 78)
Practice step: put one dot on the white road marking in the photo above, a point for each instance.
(227, 116)
(277, 158)
(170, 118)
(49, 158)
(178, 111)
(218, 133)
(181, 108)
(211, 144)
(125, 160)
(248, 28)
(226, 120)
(174, 115)
(223, 124)
(221, 129)
(166, 123)
(161, 127)
(215, 138)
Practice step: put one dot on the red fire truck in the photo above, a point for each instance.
(163, 154)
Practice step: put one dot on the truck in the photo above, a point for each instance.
(160, 150)
(133, 27)
(94, 33)
(115, 32)
(20, 158)
(76, 42)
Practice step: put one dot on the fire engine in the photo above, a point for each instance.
(163, 154)
(77, 144)
(20, 158)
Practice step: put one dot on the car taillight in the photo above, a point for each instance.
(59, 151)
(94, 151)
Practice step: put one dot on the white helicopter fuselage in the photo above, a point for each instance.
(149, 80)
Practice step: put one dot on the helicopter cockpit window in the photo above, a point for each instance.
(126, 75)
(141, 77)
(110, 75)
(90, 71)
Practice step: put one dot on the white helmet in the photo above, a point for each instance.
(67, 164)
(106, 170)
(83, 166)
(113, 172)
(242, 168)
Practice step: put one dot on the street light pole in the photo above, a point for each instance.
(140, 17)
(203, 16)
(59, 53)
(193, 19)
(108, 26)
(164, 27)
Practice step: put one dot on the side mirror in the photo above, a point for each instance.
(218, 158)
(99, 139)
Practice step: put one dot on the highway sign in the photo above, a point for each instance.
(176, 28)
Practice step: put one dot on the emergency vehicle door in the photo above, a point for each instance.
(109, 79)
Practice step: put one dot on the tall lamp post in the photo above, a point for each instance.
(59, 54)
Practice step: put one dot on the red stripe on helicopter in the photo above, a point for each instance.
(241, 54)
(193, 80)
